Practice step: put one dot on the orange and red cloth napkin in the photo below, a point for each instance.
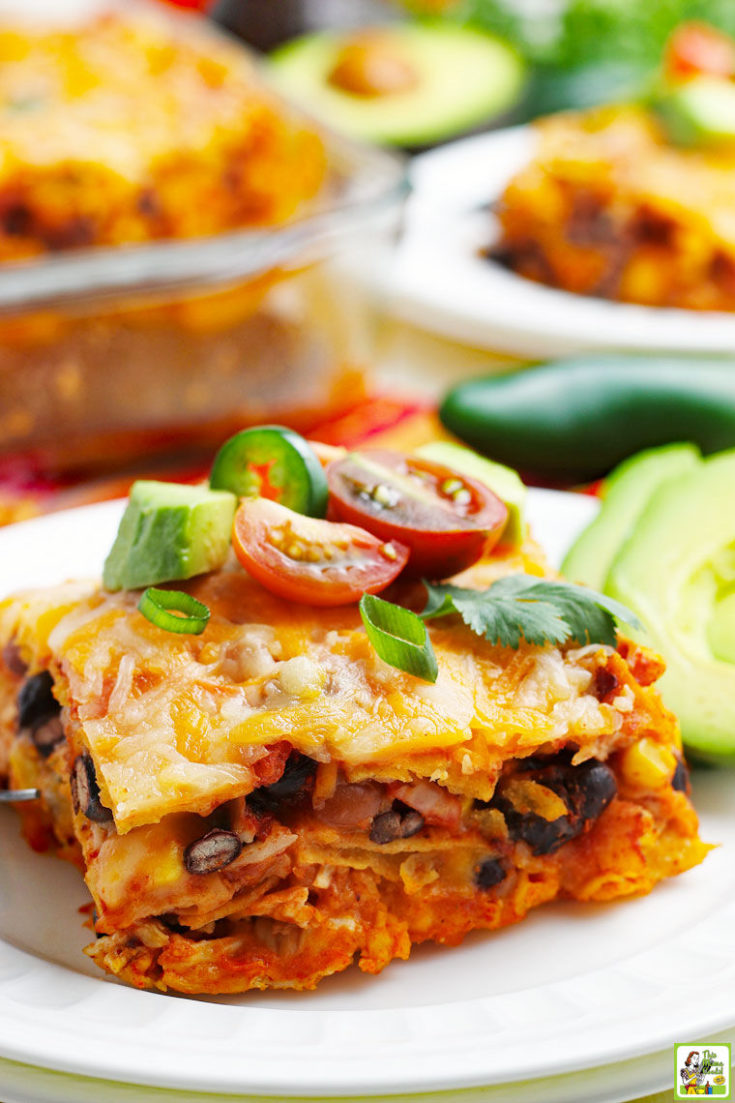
(27, 490)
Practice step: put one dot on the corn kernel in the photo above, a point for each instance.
(648, 764)
(168, 867)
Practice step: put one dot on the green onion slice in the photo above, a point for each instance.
(174, 611)
(399, 637)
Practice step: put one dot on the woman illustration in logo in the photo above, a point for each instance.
(694, 1072)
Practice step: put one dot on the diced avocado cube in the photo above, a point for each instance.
(699, 112)
(169, 531)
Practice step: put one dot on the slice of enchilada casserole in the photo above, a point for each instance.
(260, 804)
(255, 806)
(609, 207)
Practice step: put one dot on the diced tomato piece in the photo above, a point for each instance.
(696, 48)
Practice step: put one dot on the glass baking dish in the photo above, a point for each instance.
(109, 353)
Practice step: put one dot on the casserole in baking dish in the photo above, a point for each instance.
(174, 241)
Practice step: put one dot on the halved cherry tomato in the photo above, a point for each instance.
(697, 48)
(311, 561)
(446, 519)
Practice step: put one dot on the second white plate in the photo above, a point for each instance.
(440, 281)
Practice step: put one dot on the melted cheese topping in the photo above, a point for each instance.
(175, 723)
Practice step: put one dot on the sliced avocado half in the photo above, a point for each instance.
(169, 531)
(405, 84)
(627, 492)
(676, 570)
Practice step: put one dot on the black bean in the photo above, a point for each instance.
(36, 702)
(212, 852)
(260, 803)
(680, 780)
(526, 766)
(586, 790)
(47, 736)
(400, 822)
(299, 768)
(591, 786)
(85, 792)
(411, 824)
(541, 835)
(543, 762)
(490, 873)
(385, 828)
(172, 924)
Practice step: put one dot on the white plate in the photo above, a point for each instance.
(571, 988)
(625, 1080)
(439, 280)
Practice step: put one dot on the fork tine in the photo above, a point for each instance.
(16, 796)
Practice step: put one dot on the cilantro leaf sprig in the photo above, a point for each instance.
(514, 608)
(521, 606)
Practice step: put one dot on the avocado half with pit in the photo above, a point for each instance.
(403, 84)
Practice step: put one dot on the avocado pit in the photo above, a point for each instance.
(370, 64)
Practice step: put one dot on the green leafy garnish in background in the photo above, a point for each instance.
(630, 30)
(514, 608)
(592, 51)
(587, 30)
